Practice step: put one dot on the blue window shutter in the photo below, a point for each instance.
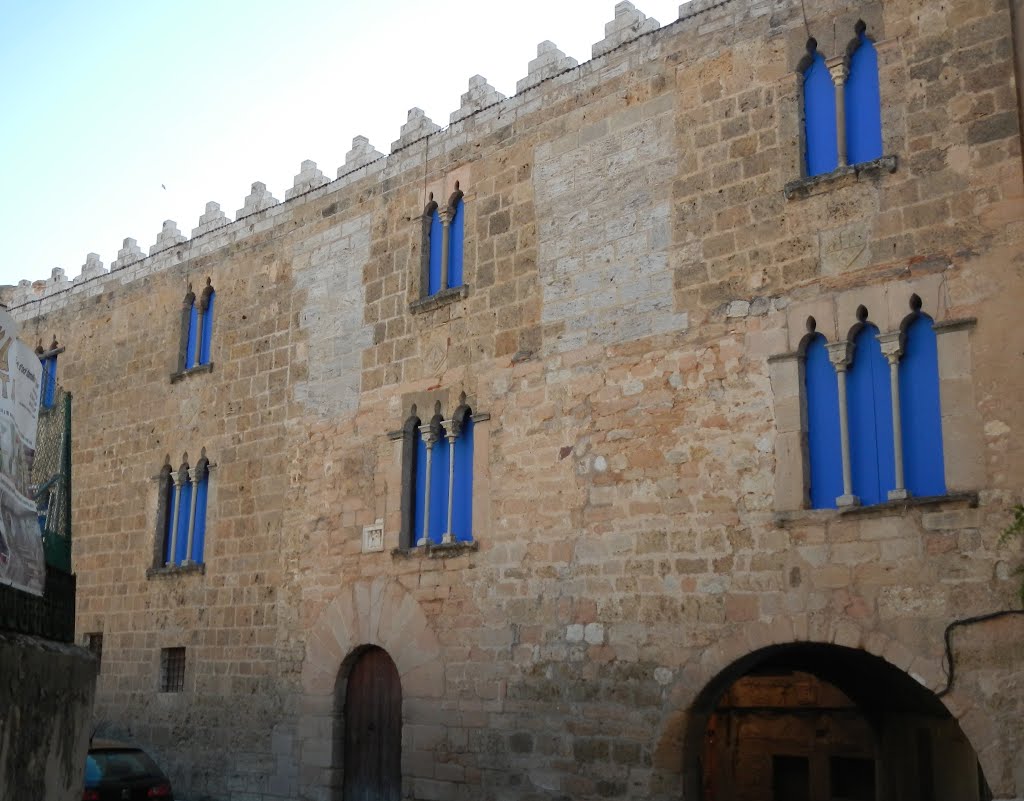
(823, 442)
(455, 235)
(184, 509)
(204, 348)
(439, 490)
(199, 532)
(869, 404)
(920, 413)
(169, 521)
(434, 277)
(863, 102)
(190, 354)
(820, 118)
(49, 381)
(421, 484)
(462, 501)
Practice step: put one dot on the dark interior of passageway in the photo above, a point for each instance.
(817, 722)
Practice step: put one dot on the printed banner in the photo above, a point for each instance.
(22, 560)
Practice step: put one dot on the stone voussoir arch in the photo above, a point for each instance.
(378, 612)
(717, 664)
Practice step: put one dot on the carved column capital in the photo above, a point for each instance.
(892, 346)
(452, 429)
(840, 354)
(838, 69)
(429, 435)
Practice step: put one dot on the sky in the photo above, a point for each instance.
(116, 115)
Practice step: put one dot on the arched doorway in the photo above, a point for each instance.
(370, 728)
(822, 722)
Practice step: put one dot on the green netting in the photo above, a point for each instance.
(51, 480)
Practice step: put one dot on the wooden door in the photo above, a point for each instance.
(373, 729)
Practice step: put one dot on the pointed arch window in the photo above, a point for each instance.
(437, 481)
(820, 142)
(183, 503)
(841, 105)
(920, 413)
(863, 101)
(871, 424)
(823, 437)
(442, 247)
(48, 360)
(196, 328)
(874, 422)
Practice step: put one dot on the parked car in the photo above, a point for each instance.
(121, 772)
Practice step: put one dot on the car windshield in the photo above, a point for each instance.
(118, 765)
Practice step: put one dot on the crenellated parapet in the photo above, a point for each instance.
(480, 95)
(168, 237)
(309, 178)
(258, 199)
(129, 253)
(482, 110)
(550, 61)
(210, 220)
(629, 23)
(417, 126)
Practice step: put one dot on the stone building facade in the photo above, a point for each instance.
(645, 265)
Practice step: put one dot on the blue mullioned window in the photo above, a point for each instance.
(863, 104)
(462, 499)
(819, 117)
(207, 330)
(869, 403)
(198, 316)
(193, 330)
(440, 469)
(435, 239)
(49, 381)
(920, 413)
(202, 492)
(184, 514)
(823, 443)
(455, 235)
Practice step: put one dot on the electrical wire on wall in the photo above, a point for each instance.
(948, 634)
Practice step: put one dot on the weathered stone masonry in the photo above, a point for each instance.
(641, 257)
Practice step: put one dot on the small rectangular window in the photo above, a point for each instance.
(94, 642)
(172, 670)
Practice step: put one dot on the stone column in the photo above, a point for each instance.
(451, 432)
(839, 71)
(892, 348)
(193, 476)
(841, 355)
(429, 438)
(445, 216)
(179, 479)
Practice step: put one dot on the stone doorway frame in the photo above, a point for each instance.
(378, 613)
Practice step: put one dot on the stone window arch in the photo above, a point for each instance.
(870, 420)
(862, 99)
(196, 329)
(442, 248)
(183, 498)
(438, 482)
(841, 105)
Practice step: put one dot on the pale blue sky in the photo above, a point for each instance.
(103, 101)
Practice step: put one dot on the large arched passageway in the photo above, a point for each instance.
(823, 722)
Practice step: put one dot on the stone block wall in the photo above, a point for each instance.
(640, 249)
